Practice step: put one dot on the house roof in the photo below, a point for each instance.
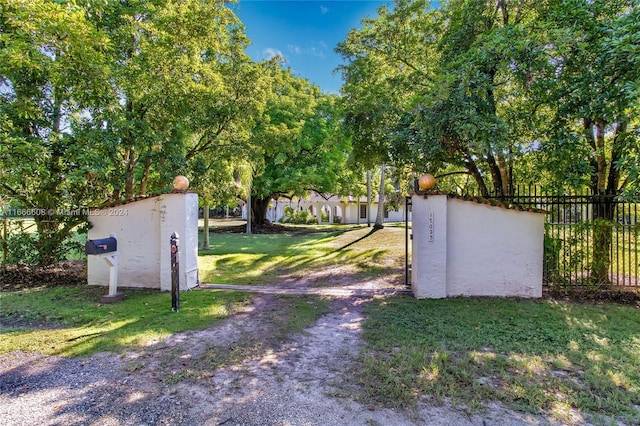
(314, 197)
(140, 198)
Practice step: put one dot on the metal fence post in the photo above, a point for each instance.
(175, 273)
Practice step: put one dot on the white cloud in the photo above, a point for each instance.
(294, 49)
(324, 10)
(316, 50)
(270, 53)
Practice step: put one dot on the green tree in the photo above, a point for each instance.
(53, 70)
(221, 128)
(386, 65)
(298, 146)
(485, 87)
(102, 102)
(449, 80)
(176, 67)
(592, 86)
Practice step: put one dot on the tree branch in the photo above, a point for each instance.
(17, 195)
(463, 172)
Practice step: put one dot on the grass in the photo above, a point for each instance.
(70, 321)
(302, 313)
(537, 356)
(557, 358)
(264, 259)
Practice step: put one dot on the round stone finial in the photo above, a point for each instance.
(180, 183)
(426, 182)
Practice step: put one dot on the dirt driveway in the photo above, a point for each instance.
(240, 372)
(304, 380)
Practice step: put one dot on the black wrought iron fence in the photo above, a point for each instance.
(590, 240)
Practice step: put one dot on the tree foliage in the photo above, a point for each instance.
(298, 145)
(182, 84)
(104, 102)
(485, 87)
(546, 89)
(591, 86)
(53, 68)
(444, 73)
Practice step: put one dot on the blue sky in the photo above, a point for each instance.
(304, 32)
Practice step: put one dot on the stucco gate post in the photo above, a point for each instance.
(429, 246)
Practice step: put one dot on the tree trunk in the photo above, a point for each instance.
(260, 207)
(380, 216)
(5, 236)
(368, 198)
(129, 178)
(496, 175)
(144, 181)
(504, 175)
(471, 166)
(603, 212)
(205, 230)
(604, 187)
(249, 211)
(613, 180)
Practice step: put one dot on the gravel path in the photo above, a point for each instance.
(301, 382)
(304, 380)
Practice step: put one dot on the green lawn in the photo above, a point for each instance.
(537, 356)
(264, 259)
(70, 320)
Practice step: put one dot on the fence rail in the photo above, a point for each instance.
(590, 240)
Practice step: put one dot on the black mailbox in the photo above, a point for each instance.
(100, 246)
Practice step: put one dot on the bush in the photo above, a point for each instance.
(297, 217)
(24, 246)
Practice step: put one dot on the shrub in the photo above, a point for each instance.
(297, 217)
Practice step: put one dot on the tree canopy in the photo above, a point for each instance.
(113, 99)
(53, 68)
(298, 144)
(102, 102)
(476, 87)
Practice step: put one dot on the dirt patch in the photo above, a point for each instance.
(243, 371)
(21, 276)
(599, 296)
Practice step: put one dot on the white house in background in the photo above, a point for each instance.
(337, 209)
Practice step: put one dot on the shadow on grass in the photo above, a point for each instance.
(103, 390)
(84, 326)
(563, 360)
(262, 261)
(344, 247)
